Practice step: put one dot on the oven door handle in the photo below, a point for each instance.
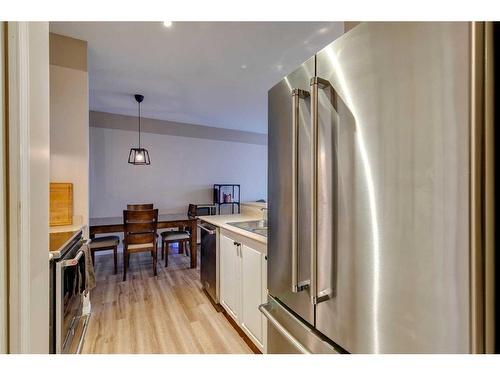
(73, 261)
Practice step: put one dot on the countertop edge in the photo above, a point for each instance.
(67, 228)
(222, 220)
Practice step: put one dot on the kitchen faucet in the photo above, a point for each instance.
(264, 213)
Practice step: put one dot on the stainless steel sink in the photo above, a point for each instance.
(254, 226)
(262, 232)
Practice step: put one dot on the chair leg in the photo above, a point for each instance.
(125, 262)
(115, 257)
(181, 248)
(162, 250)
(92, 255)
(166, 254)
(155, 259)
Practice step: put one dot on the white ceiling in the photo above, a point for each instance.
(207, 73)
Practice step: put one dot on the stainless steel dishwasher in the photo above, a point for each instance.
(209, 260)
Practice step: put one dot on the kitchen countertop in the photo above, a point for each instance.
(222, 220)
(255, 204)
(66, 228)
(60, 237)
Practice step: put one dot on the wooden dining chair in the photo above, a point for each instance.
(139, 230)
(105, 243)
(141, 207)
(192, 211)
(173, 236)
(138, 207)
(181, 236)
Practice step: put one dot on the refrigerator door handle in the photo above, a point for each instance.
(316, 84)
(297, 94)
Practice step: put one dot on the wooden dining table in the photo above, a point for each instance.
(99, 225)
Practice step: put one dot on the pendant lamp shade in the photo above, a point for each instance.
(139, 155)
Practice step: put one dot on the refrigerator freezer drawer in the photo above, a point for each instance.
(288, 335)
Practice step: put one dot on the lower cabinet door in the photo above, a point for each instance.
(252, 280)
(229, 277)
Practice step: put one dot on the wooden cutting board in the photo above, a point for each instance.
(61, 203)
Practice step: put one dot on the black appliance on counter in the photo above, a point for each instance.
(206, 209)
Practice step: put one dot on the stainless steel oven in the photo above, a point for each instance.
(68, 286)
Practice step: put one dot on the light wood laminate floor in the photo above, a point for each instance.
(169, 313)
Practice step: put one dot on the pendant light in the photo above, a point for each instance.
(138, 155)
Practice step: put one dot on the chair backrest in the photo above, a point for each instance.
(192, 210)
(139, 227)
(136, 207)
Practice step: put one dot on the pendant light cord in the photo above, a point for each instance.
(139, 124)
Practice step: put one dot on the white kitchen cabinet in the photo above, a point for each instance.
(243, 284)
(230, 277)
(251, 291)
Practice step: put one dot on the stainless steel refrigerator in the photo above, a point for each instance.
(372, 210)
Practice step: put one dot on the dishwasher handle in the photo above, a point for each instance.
(210, 231)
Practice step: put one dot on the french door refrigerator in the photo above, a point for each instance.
(371, 171)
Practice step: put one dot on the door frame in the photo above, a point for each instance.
(3, 202)
(27, 159)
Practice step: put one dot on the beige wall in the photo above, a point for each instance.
(68, 52)
(69, 120)
(180, 129)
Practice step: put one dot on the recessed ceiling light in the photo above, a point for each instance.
(243, 66)
(167, 23)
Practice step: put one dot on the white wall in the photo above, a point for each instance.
(69, 135)
(182, 171)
